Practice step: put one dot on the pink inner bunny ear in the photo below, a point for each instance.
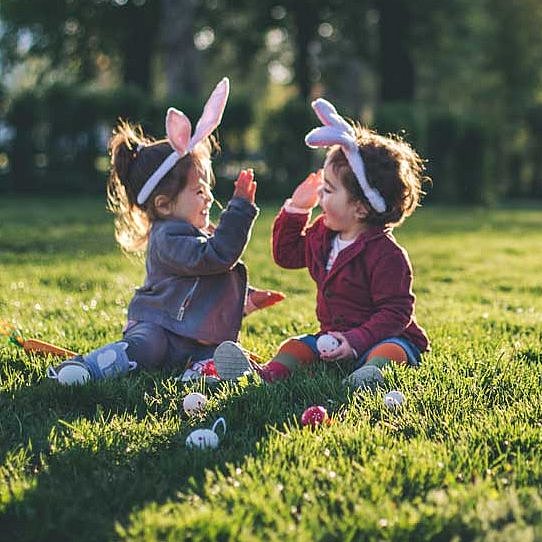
(212, 112)
(178, 129)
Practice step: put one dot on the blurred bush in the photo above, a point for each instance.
(22, 116)
(457, 151)
(455, 147)
(55, 141)
(56, 138)
(534, 148)
(287, 158)
(403, 118)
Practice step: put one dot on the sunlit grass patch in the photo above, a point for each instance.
(109, 461)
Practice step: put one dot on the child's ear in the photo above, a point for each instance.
(162, 204)
(361, 211)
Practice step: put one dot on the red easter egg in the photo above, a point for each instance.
(314, 415)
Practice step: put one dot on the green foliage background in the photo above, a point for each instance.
(461, 80)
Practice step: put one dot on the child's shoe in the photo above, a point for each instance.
(70, 372)
(202, 369)
(105, 362)
(368, 377)
(231, 362)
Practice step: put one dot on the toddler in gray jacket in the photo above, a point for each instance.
(195, 288)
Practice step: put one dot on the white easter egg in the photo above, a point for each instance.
(326, 343)
(73, 375)
(394, 399)
(194, 402)
(202, 439)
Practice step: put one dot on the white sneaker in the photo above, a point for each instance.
(231, 362)
(70, 372)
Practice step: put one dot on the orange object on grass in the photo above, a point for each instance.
(261, 299)
(35, 346)
(32, 346)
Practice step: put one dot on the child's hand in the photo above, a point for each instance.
(245, 185)
(306, 196)
(343, 352)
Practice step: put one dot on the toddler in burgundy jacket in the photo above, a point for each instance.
(368, 185)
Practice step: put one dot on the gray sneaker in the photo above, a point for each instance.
(231, 362)
(368, 377)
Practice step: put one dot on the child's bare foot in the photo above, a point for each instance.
(261, 299)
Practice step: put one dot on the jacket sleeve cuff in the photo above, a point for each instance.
(292, 209)
(244, 205)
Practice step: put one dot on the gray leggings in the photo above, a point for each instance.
(154, 347)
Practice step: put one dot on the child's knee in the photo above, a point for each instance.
(299, 352)
(147, 345)
(385, 353)
(292, 353)
(149, 355)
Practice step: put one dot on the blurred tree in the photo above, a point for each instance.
(515, 53)
(292, 32)
(180, 56)
(465, 70)
(396, 67)
(482, 59)
(83, 37)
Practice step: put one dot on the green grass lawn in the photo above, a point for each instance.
(460, 461)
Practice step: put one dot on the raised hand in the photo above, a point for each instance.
(306, 195)
(245, 185)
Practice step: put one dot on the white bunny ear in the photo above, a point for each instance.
(336, 131)
(178, 129)
(326, 136)
(328, 115)
(212, 113)
(323, 110)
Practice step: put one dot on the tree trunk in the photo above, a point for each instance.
(305, 22)
(396, 67)
(137, 45)
(180, 56)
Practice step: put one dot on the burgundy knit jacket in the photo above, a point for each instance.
(367, 294)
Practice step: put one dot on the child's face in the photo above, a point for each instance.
(341, 213)
(194, 202)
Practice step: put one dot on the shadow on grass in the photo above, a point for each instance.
(98, 453)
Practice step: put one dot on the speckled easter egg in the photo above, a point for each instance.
(194, 403)
(314, 415)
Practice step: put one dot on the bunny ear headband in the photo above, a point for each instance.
(179, 129)
(336, 131)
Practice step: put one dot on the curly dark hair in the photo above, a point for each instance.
(392, 166)
(134, 158)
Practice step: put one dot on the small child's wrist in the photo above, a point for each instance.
(291, 207)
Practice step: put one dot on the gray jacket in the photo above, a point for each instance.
(196, 284)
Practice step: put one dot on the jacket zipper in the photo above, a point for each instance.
(186, 300)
